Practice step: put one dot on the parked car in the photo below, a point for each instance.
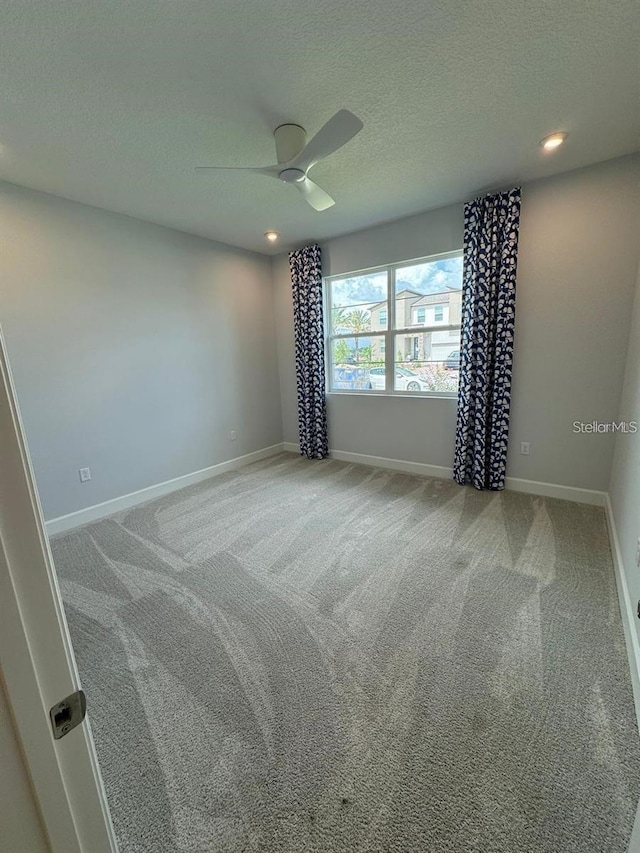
(405, 380)
(453, 360)
(347, 377)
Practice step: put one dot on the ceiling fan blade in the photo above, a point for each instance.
(271, 171)
(335, 133)
(315, 195)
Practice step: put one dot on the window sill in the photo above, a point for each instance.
(413, 395)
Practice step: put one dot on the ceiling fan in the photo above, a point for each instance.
(296, 156)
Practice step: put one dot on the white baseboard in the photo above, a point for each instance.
(382, 462)
(627, 610)
(515, 484)
(394, 464)
(291, 447)
(554, 490)
(101, 510)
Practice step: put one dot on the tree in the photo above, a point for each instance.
(357, 321)
(341, 351)
(339, 320)
(365, 354)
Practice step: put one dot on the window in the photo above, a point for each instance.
(373, 345)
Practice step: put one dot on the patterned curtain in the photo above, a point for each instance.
(488, 314)
(306, 281)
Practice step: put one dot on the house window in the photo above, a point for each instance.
(373, 345)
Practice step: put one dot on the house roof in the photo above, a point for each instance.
(436, 298)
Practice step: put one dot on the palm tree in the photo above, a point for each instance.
(339, 320)
(356, 321)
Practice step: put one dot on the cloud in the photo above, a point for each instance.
(367, 290)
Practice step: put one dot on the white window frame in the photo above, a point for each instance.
(389, 334)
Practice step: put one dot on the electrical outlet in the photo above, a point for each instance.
(524, 448)
(232, 435)
(85, 474)
(638, 553)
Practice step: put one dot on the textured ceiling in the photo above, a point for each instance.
(113, 102)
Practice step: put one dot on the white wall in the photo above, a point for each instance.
(20, 827)
(135, 349)
(578, 258)
(624, 489)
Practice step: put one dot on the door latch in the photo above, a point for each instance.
(68, 713)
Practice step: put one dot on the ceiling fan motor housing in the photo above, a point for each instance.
(292, 176)
(290, 140)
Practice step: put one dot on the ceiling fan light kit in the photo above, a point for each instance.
(296, 157)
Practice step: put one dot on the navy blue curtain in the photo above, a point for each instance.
(491, 227)
(306, 282)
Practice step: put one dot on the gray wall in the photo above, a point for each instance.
(624, 489)
(577, 264)
(135, 349)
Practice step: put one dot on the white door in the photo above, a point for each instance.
(36, 657)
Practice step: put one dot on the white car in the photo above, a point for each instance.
(405, 380)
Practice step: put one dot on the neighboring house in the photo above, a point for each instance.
(415, 310)
(380, 321)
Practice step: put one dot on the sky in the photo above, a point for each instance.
(430, 277)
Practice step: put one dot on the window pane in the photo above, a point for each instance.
(358, 303)
(429, 293)
(353, 361)
(427, 361)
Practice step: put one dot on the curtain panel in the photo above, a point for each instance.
(491, 226)
(306, 283)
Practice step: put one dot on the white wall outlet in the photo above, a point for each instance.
(85, 474)
(232, 435)
(524, 448)
(638, 553)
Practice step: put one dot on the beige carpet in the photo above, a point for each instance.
(323, 657)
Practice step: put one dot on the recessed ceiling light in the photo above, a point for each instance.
(551, 142)
(271, 236)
